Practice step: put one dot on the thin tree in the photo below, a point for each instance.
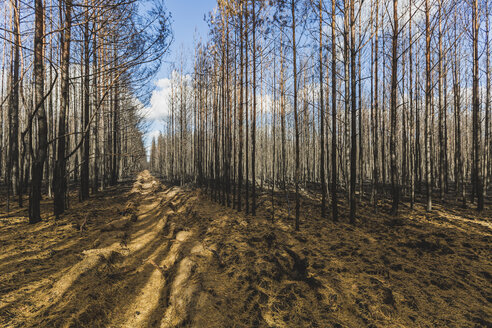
(294, 63)
(487, 140)
(322, 113)
(84, 174)
(59, 176)
(477, 150)
(253, 124)
(394, 80)
(353, 147)
(14, 107)
(334, 175)
(38, 155)
(428, 182)
(241, 104)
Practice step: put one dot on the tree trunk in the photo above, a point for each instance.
(294, 50)
(441, 113)
(39, 155)
(322, 114)
(353, 148)
(240, 112)
(59, 177)
(84, 174)
(334, 175)
(477, 150)
(394, 80)
(487, 158)
(14, 105)
(428, 183)
(253, 124)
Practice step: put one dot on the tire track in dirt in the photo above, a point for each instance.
(167, 263)
(95, 257)
(167, 297)
(139, 272)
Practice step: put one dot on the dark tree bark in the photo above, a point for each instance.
(441, 108)
(322, 114)
(246, 104)
(294, 54)
(39, 155)
(412, 122)
(253, 124)
(477, 149)
(95, 183)
(84, 174)
(115, 126)
(487, 148)
(428, 182)
(240, 112)
(334, 174)
(375, 182)
(13, 155)
(394, 80)
(60, 170)
(353, 147)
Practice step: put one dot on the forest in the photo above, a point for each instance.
(319, 163)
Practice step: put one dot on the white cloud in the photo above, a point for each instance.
(159, 102)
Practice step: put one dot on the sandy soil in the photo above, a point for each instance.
(145, 255)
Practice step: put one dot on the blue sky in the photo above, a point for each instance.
(188, 20)
(188, 25)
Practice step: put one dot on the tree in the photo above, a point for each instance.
(241, 103)
(294, 50)
(394, 80)
(428, 182)
(477, 149)
(322, 113)
(39, 154)
(84, 175)
(253, 124)
(353, 147)
(487, 140)
(413, 166)
(14, 107)
(59, 177)
(334, 175)
(376, 104)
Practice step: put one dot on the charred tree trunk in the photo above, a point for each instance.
(477, 150)
(294, 53)
(322, 114)
(14, 106)
(334, 174)
(353, 147)
(84, 174)
(59, 176)
(39, 155)
(394, 80)
(428, 182)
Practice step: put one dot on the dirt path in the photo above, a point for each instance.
(136, 272)
(150, 256)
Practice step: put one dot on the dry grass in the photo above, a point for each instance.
(148, 255)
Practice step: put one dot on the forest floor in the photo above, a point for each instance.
(145, 255)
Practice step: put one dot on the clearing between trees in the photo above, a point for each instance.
(148, 255)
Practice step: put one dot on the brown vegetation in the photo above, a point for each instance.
(187, 261)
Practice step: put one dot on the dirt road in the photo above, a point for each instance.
(134, 270)
(150, 256)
